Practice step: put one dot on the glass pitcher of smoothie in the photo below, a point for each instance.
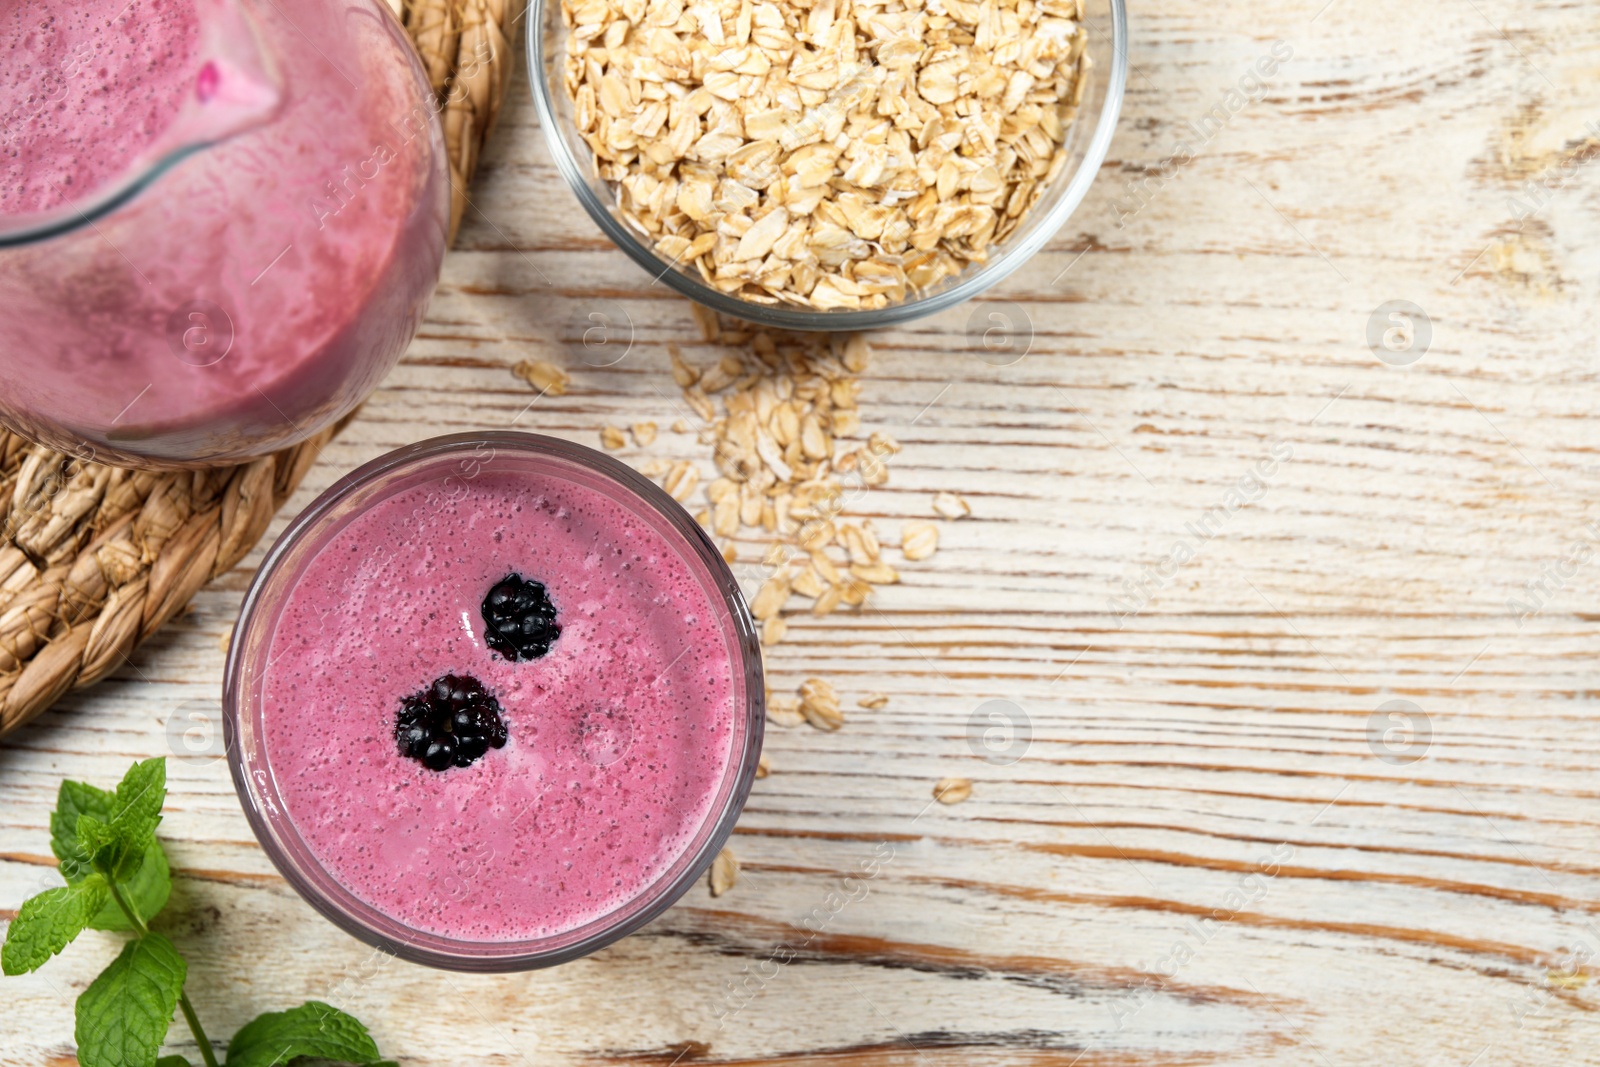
(220, 220)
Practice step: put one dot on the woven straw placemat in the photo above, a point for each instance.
(94, 559)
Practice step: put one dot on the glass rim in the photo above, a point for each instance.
(268, 820)
(780, 316)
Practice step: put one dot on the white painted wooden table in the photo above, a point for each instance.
(1428, 897)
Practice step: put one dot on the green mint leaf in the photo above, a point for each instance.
(48, 922)
(124, 1014)
(106, 851)
(115, 856)
(172, 1061)
(75, 799)
(95, 836)
(313, 1029)
(140, 795)
(146, 892)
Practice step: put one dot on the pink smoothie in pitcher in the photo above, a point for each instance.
(498, 708)
(85, 88)
(284, 228)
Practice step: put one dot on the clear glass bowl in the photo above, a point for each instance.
(1087, 143)
(458, 457)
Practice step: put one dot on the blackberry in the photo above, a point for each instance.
(519, 622)
(452, 722)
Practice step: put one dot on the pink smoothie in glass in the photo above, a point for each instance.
(260, 286)
(618, 739)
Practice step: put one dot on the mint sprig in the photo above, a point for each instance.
(149, 886)
(118, 878)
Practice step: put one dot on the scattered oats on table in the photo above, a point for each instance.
(783, 709)
(613, 438)
(950, 506)
(682, 477)
(780, 418)
(918, 540)
(724, 872)
(543, 376)
(831, 154)
(819, 703)
(952, 790)
(879, 573)
(780, 414)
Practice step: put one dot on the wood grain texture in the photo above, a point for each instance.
(1201, 857)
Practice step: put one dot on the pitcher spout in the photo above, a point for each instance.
(233, 87)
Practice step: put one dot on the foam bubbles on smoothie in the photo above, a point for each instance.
(84, 88)
(618, 739)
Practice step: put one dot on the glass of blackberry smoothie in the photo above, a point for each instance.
(494, 700)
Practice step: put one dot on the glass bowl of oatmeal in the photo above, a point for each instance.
(846, 165)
